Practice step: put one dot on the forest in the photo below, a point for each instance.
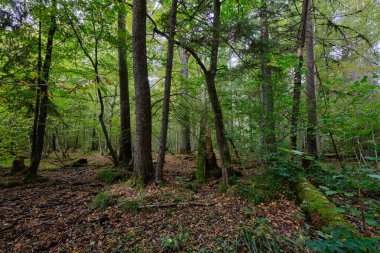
(190, 126)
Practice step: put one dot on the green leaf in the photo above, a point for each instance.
(374, 176)
(331, 193)
(349, 194)
(356, 212)
(373, 223)
(340, 210)
(324, 188)
(365, 79)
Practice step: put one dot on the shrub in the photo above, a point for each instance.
(223, 188)
(341, 239)
(110, 176)
(174, 243)
(130, 206)
(103, 200)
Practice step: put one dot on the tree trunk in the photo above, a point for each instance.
(103, 125)
(211, 167)
(44, 100)
(269, 137)
(166, 102)
(125, 153)
(185, 147)
(200, 172)
(143, 165)
(210, 81)
(298, 78)
(311, 137)
(94, 144)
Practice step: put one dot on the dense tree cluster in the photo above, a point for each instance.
(135, 78)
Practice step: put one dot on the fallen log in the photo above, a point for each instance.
(181, 204)
(321, 211)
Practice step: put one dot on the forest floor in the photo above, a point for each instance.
(59, 215)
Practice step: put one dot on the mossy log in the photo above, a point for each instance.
(322, 212)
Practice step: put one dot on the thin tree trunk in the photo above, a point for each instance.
(298, 78)
(210, 81)
(125, 153)
(44, 96)
(185, 147)
(267, 89)
(95, 63)
(142, 165)
(311, 137)
(166, 101)
(38, 90)
(200, 172)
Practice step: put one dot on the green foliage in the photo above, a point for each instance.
(223, 188)
(262, 238)
(103, 200)
(130, 206)
(174, 243)
(342, 240)
(110, 176)
(193, 187)
(251, 193)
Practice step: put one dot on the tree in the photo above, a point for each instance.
(311, 137)
(298, 76)
(166, 101)
(42, 101)
(125, 153)
(142, 165)
(185, 147)
(269, 137)
(98, 81)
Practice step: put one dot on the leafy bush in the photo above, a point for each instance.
(110, 176)
(341, 239)
(130, 206)
(174, 243)
(103, 200)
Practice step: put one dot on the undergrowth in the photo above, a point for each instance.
(103, 200)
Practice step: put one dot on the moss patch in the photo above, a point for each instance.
(320, 209)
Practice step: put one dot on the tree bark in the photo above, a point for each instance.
(298, 77)
(311, 137)
(200, 172)
(210, 81)
(44, 99)
(143, 165)
(125, 153)
(185, 147)
(166, 101)
(269, 135)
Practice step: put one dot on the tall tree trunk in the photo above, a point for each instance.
(125, 153)
(267, 88)
(166, 102)
(44, 99)
(311, 137)
(38, 90)
(210, 81)
(200, 172)
(185, 147)
(298, 77)
(142, 165)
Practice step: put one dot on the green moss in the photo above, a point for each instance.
(320, 209)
